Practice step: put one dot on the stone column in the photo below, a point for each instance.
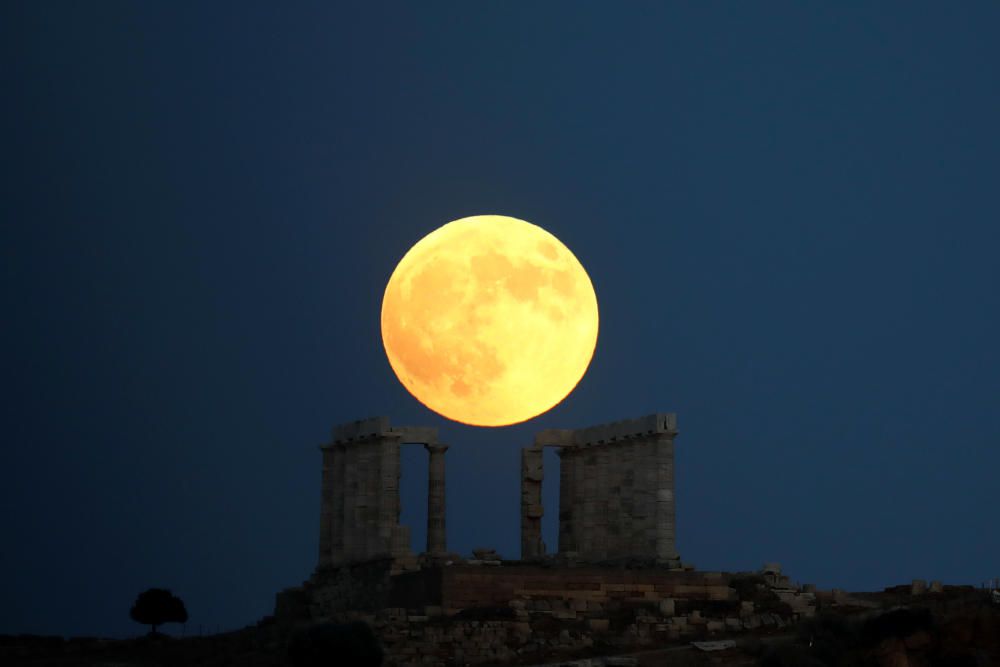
(337, 505)
(566, 490)
(436, 536)
(629, 542)
(665, 544)
(531, 503)
(579, 494)
(357, 501)
(601, 496)
(645, 497)
(349, 517)
(368, 499)
(587, 526)
(615, 529)
(388, 493)
(326, 508)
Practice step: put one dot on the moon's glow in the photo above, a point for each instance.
(489, 320)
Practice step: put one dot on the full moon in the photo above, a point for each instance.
(489, 320)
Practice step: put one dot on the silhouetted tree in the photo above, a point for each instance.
(336, 644)
(157, 606)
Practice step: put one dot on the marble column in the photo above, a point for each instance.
(531, 503)
(643, 521)
(566, 491)
(349, 528)
(601, 498)
(588, 521)
(665, 542)
(436, 535)
(615, 529)
(579, 494)
(368, 500)
(388, 493)
(629, 540)
(337, 505)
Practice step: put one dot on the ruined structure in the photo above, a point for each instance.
(359, 507)
(615, 580)
(616, 492)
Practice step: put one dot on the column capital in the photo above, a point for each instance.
(436, 447)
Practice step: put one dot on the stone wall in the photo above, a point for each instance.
(430, 639)
(464, 587)
(468, 614)
(487, 614)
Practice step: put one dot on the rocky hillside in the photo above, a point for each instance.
(957, 628)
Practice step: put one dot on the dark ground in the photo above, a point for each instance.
(958, 629)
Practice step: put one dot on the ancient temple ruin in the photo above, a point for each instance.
(359, 508)
(615, 577)
(616, 491)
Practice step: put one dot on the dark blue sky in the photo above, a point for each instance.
(789, 212)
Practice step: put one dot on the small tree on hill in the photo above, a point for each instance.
(157, 606)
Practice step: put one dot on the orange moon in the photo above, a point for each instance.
(489, 320)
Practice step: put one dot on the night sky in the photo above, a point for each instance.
(789, 212)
